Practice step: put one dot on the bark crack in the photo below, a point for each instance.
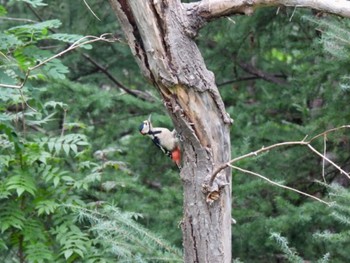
(193, 237)
(158, 11)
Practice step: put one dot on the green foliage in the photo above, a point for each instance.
(49, 130)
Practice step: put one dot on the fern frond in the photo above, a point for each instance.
(39, 252)
(11, 216)
(34, 231)
(21, 183)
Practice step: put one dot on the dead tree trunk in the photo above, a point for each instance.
(160, 35)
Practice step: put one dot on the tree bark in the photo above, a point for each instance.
(160, 35)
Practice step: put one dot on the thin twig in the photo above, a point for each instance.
(291, 17)
(63, 121)
(110, 76)
(10, 86)
(18, 19)
(329, 131)
(278, 184)
(264, 149)
(328, 160)
(323, 159)
(25, 101)
(77, 44)
(91, 10)
(255, 153)
(292, 143)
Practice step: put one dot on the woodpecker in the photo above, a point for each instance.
(163, 138)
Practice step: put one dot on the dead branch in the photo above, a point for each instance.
(261, 74)
(277, 145)
(278, 184)
(211, 9)
(136, 93)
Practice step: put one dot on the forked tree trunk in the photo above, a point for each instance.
(160, 35)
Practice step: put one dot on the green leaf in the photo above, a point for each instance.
(56, 181)
(66, 148)
(68, 253)
(74, 148)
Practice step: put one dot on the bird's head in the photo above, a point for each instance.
(146, 126)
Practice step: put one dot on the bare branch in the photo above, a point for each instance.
(323, 159)
(261, 74)
(255, 153)
(283, 77)
(328, 160)
(18, 19)
(136, 93)
(10, 86)
(211, 9)
(329, 131)
(278, 184)
(87, 5)
(282, 144)
(104, 37)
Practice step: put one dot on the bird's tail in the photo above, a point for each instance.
(176, 156)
